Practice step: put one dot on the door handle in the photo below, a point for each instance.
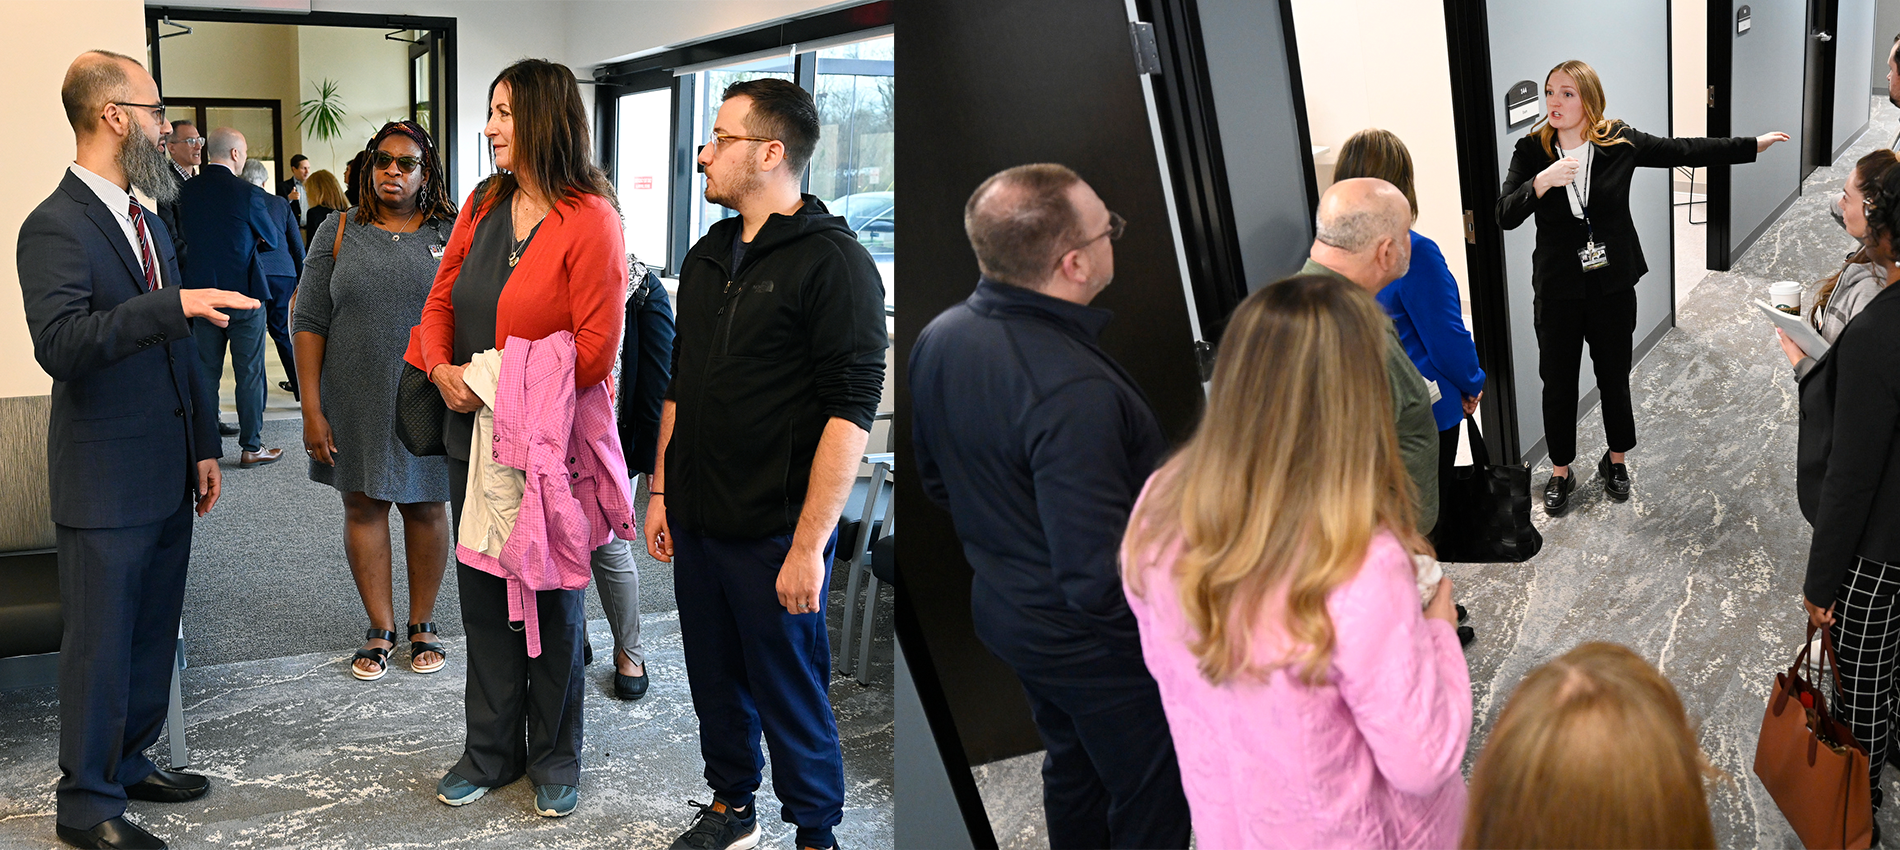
(1821, 36)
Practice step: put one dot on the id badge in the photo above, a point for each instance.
(1594, 256)
(437, 251)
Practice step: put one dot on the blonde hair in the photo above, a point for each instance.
(1377, 153)
(1597, 130)
(1293, 469)
(324, 190)
(1594, 750)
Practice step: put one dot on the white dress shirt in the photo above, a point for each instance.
(119, 201)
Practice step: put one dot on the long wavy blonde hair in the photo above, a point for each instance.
(1293, 469)
(1597, 129)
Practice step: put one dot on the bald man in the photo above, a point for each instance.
(131, 443)
(1364, 236)
(228, 225)
(1037, 442)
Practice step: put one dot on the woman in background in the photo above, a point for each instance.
(1593, 750)
(1269, 564)
(325, 197)
(1573, 172)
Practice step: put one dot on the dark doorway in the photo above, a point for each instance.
(1817, 111)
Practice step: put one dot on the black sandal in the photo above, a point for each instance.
(378, 654)
(418, 647)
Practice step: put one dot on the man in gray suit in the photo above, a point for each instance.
(132, 446)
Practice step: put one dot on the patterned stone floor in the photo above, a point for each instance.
(1700, 572)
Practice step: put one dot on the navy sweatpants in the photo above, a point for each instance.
(1110, 777)
(754, 667)
(120, 591)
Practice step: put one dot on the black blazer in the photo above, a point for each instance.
(168, 213)
(1556, 272)
(1847, 474)
(228, 223)
(646, 367)
(132, 415)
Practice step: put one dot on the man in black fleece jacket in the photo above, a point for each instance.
(1038, 442)
(778, 368)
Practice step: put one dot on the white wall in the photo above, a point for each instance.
(235, 60)
(372, 77)
(603, 31)
(1689, 66)
(40, 145)
(1382, 63)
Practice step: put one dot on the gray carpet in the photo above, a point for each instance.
(1700, 572)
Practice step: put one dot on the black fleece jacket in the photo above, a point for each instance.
(765, 356)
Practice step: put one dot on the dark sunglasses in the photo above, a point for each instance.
(408, 164)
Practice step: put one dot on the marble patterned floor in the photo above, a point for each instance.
(301, 755)
(1700, 572)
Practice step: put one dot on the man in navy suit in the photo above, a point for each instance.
(280, 270)
(228, 225)
(132, 445)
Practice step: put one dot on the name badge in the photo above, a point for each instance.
(1594, 256)
(437, 251)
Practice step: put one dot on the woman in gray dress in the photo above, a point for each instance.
(362, 290)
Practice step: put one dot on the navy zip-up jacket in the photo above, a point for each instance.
(1038, 443)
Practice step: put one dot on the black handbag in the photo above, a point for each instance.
(420, 412)
(1484, 516)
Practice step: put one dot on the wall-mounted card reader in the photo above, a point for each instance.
(1742, 22)
(1520, 104)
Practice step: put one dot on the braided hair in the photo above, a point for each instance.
(433, 199)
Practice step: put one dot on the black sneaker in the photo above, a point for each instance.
(720, 827)
(1557, 494)
(1616, 478)
(1466, 636)
(1464, 615)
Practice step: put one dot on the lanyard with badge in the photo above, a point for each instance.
(1593, 255)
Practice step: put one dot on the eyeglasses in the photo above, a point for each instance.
(196, 142)
(1116, 224)
(719, 138)
(408, 164)
(158, 109)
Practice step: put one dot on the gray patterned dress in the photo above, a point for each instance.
(364, 305)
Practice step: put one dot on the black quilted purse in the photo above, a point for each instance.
(420, 412)
(1485, 517)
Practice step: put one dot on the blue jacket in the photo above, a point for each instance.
(131, 415)
(281, 269)
(225, 219)
(1038, 443)
(1424, 306)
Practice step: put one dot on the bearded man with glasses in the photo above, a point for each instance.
(131, 443)
(1038, 442)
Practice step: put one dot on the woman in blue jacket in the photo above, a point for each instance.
(1424, 303)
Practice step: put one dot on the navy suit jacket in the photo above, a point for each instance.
(280, 269)
(225, 218)
(131, 414)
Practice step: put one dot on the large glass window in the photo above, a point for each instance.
(708, 87)
(642, 172)
(852, 170)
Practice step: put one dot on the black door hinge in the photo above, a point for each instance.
(1204, 358)
(1147, 56)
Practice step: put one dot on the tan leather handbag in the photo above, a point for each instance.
(1809, 762)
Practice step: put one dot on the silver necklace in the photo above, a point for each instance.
(521, 245)
(397, 236)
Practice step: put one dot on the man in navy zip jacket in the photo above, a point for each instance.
(132, 443)
(1038, 443)
(778, 365)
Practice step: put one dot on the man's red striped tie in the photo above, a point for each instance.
(145, 247)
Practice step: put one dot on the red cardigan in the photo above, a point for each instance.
(573, 277)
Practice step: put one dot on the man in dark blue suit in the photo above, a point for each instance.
(228, 225)
(281, 270)
(132, 445)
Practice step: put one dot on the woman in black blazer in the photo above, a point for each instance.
(1847, 481)
(1588, 259)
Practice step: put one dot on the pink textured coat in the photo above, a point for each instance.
(1370, 759)
(576, 494)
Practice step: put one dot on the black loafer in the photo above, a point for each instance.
(225, 430)
(587, 653)
(115, 833)
(1557, 494)
(167, 786)
(1466, 636)
(1463, 615)
(1616, 478)
(630, 687)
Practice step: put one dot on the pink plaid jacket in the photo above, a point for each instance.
(576, 494)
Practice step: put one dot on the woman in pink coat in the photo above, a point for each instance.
(1269, 565)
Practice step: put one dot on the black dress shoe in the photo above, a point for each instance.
(587, 652)
(115, 833)
(227, 430)
(1466, 636)
(167, 786)
(1463, 615)
(630, 687)
(1616, 478)
(1557, 494)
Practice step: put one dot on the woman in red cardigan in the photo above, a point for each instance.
(548, 229)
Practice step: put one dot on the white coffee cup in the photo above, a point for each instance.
(1786, 296)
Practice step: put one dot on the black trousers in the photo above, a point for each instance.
(1608, 324)
(524, 714)
(120, 593)
(1866, 633)
(1110, 777)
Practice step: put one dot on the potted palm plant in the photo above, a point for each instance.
(322, 117)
